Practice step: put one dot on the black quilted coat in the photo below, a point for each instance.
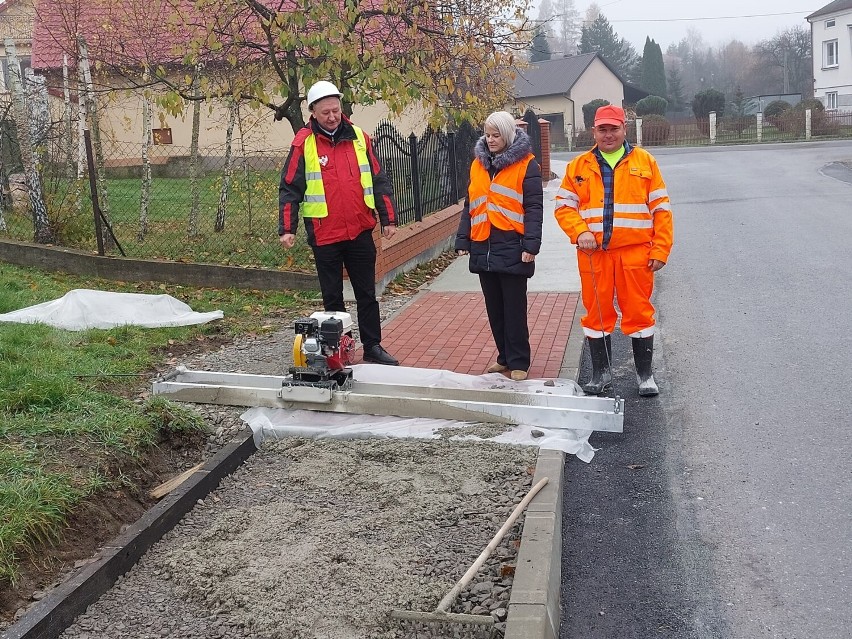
(501, 252)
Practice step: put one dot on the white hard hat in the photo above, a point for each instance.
(320, 90)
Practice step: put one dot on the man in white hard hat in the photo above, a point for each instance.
(333, 178)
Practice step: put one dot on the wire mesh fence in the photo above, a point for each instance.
(163, 202)
(789, 126)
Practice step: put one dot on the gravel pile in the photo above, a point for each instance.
(320, 539)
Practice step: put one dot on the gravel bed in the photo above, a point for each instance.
(320, 539)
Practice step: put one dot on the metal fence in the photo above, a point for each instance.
(225, 211)
(790, 126)
(429, 173)
(220, 210)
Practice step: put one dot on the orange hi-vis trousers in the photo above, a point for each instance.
(623, 274)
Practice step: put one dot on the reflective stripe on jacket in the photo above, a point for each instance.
(314, 203)
(498, 202)
(642, 211)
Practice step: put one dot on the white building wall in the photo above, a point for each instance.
(597, 82)
(837, 79)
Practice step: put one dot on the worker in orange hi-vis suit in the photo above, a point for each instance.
(614, 206)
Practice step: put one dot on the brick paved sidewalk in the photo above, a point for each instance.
(449, 331)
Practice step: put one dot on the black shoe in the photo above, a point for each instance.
(377, 355)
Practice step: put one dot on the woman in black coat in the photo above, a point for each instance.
(502, 234)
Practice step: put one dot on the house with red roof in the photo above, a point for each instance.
(122, 36)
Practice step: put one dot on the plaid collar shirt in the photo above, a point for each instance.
(608, 177)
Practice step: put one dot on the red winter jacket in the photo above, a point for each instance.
(348, 214)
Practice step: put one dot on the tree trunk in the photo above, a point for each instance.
(194, 187)
(68, 133)
(146, 166)
(293, 106)
(246, 173)
(226, 178)
(3, 180)
(42, 232)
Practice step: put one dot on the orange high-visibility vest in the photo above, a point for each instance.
(498, 202)
(642, 210)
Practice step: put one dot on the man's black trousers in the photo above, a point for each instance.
(359, 258)
(506, 304)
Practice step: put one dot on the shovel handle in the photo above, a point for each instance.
(448, 599)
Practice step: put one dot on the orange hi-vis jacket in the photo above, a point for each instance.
(498, 202)
(642, 211)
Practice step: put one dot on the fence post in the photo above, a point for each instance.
(759, 126)
(808, 122)
(454, 169)
(712, 127)
(638, 131)
(415, 178)
(569, 133)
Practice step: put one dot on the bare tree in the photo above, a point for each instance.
(790, 51)
(569, 26)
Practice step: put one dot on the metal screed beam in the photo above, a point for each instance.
(498, 405)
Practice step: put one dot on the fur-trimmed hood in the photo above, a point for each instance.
(518, 150)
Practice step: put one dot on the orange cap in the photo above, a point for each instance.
(609, 114)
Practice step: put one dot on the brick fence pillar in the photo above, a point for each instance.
(545, 149)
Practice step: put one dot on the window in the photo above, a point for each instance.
(831, 101)
(829, 23)
(829, 54)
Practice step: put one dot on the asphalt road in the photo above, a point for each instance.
(725, 508)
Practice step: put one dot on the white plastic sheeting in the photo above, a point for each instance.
(81, 309)
(275, 423)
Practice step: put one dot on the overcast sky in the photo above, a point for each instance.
(719, 22)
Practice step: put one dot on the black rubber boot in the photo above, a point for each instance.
(643, 353)
(601, 351)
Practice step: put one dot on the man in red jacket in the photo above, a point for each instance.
(333, 178)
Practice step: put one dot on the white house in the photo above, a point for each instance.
(831, 34)
(557, 89)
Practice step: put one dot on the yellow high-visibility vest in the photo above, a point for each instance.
(314, 203)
